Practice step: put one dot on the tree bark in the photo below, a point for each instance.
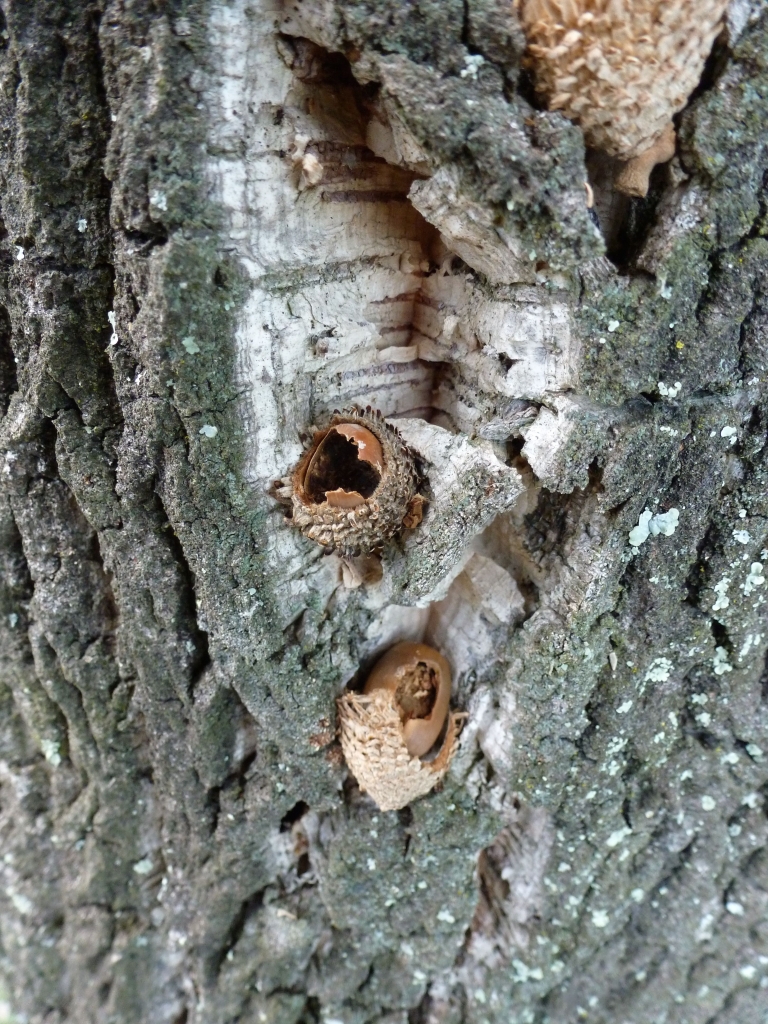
(222, 221)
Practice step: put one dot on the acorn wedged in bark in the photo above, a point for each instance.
(386, 730)
(355, 486)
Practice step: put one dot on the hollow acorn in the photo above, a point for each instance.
(355, 486)
(621, 69)
(398, 718)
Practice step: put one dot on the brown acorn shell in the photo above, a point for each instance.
(373, 743)
(360, 528)
(389, 673)
(620, 68)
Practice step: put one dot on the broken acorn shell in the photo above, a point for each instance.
(621, 69)
(419, 677)
(395, 721)
(355, 486)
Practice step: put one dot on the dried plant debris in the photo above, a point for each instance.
(621, 69)
(389, 730)
(356, 486)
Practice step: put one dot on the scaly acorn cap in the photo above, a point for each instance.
(355, 487)
(621, 68)
(402, 710)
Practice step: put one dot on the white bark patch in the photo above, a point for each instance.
(374, 280)
(482, 596)
(345, 303)
(512, 870)
(334, 249)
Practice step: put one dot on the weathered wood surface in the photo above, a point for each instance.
(222, 221)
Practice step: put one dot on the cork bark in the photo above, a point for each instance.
(221, 221)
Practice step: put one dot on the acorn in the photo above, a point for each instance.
(355, 487)
(387, 730)
(621, 69)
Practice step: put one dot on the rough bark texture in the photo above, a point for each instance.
(222, 220)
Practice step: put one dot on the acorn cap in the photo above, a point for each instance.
(375, 750)
(620, 68)
(355, 486)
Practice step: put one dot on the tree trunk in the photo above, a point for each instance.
(224, 220)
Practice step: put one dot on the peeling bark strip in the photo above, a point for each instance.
(221, 222)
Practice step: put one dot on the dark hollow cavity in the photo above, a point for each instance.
(336, 465)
